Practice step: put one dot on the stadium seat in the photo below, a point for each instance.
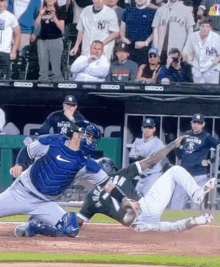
(30, 128)
(11, 129)
(112, 131)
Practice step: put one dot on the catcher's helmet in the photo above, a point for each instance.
(107, 165)
(90, 135)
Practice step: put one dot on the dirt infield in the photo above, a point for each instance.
(114, 238)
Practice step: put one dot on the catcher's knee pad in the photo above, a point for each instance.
(68, 225)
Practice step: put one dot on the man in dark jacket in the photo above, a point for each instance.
(60, 120)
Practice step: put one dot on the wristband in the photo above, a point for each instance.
(117, 193)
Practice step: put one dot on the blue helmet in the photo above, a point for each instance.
(90, 135)
(107, 165)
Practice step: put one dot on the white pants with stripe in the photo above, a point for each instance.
(158, 197)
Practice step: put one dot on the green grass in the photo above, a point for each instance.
(111, 259)
(99, 218)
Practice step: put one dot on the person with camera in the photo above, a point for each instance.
(50, 42)
(175, 69)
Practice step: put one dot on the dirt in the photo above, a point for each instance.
(114, 238)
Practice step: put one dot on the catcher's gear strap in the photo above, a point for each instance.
(117, 193)
(23, 158)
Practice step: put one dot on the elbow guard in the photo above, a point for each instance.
(23, 158)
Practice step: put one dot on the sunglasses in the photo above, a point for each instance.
(152, 55)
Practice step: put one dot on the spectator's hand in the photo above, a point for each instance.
(206, 162)
(93, 58)
(16, 170)
(165, 81)
(125, 40)
(53, 14)
(74, 51)
(32, 38)
(216, 59)
(42, 11)
(13, 55)
(139, 45)
(200, 12)
(169, 61)
(69, 111)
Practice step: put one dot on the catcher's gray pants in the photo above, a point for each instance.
(157, 198)
(16, 200)
(180, 197)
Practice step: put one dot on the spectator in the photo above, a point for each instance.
(94, 67)
(97, 22)
(148, 72)
(2, 120)
(175, 70)
(122, 70)
(50, 42)
(202, 51)
(8, 26)
(193, 156)
(142, 148)
(210, 9)
(60, 120)
(119, 10)
(172, 24)
(136, 29)
(26, 13)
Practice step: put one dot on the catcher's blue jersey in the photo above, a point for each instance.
(53, 172)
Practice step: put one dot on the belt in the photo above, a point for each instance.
(30, 192)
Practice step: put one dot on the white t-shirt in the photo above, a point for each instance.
(205, 52)
(97, 27)
(7, 22)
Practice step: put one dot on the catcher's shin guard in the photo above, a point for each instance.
(66, 226)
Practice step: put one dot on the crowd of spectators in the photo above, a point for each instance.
(184, 39)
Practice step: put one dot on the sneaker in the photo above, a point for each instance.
(19, 230)
(201, 220)
(128, 203)
(199, 195)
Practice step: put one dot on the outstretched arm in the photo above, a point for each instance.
(160, 154)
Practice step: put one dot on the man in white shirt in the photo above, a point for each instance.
(92, 68)
(8, 27)
(97, 22)
(2, 119)
(203, 52)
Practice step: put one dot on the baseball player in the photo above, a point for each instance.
(202, 51)
(172, 24)
(193, 156)
(153, 203)
(142, 148)
(58, 162)
(61, 120)
(97, 22)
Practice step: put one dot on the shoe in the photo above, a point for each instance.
(201, 220)
(128, 203)
(29, 231)
(199, 195)
(19, 230)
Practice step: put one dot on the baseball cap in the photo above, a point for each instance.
(198, 117)
(148, 122)
(154, 51)
(70, 99)
(122, 47)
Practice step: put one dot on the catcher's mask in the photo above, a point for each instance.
(107, 165)
(90, 135)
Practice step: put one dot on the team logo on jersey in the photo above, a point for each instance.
(210, 51)
(101, 24)
(61, 159)
(214, 10)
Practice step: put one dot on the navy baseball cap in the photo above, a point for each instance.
(148, 122)
(70, 99)
(198, 117)
(154, 51)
